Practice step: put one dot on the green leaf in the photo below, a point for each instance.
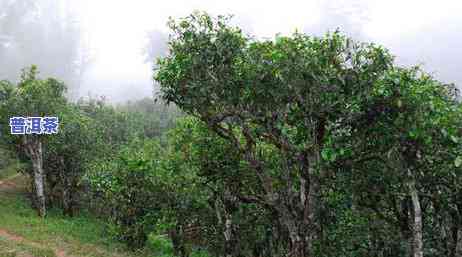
(458, 161)
(325, 154)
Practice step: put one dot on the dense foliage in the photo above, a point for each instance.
(310, 116)
(297, 146)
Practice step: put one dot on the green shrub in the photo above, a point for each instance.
(128, 186)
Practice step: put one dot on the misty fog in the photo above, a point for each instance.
(108, 48)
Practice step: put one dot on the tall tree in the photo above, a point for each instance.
(290, 94)
(409, 133)
(32, 97)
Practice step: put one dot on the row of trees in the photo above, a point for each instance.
(323, 122)
(298, 146)
(89, 130)
(301, 146)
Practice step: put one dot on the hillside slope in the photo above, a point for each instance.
(23, 234)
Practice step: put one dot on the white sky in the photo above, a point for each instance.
(116, 29)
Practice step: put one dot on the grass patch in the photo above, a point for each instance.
(80, 236)
(10, 170)
(83, 235)
(12, 249)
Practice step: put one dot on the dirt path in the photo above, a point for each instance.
(19, 239)
(7, 184)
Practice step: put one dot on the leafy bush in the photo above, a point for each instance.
(128, 184)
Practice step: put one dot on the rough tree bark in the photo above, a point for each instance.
(458, 250)
(231, 249)
(176, 234)
(33, 147)
(417, 240)
(228, 234)
(297, 210)
(224, 210)
(68, 208)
